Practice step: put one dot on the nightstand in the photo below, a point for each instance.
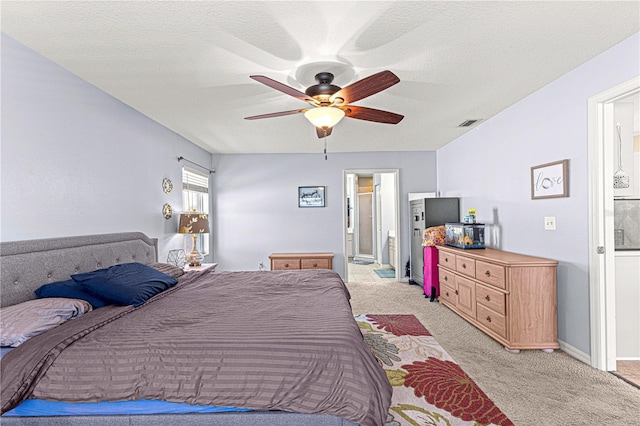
(203, 267)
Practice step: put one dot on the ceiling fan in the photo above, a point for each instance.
(330, 103)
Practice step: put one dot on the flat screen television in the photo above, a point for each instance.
(438, 211)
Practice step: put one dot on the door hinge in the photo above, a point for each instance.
(600, 249)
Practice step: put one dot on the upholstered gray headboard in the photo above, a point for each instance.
(26, 265)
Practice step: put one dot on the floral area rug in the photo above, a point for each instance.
(429, 388)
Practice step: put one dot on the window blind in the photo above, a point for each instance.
(193, 180)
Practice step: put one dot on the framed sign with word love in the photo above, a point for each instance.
(550, 180)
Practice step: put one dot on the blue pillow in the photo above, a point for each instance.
(126, 284)
(71, 290)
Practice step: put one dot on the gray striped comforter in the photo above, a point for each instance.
(279, 340)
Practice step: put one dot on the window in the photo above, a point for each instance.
(195, 196)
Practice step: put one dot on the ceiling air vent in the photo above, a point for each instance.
(468, 123)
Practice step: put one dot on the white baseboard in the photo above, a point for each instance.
(628, 358)
(575, 352)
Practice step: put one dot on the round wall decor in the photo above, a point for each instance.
(167, 185)
(167, 211)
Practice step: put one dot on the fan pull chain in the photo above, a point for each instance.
(325, 145)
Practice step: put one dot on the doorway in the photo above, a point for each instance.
(603, 124)
(371, 222)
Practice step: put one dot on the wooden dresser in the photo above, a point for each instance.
(511, 297)
(284, 261)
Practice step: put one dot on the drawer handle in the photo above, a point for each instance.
(446, 278)
(464, 266)
(446, 259)
(315, 264)
(286, 265)
(488, 273)
(447, 294)
(456, 292)
(488, 318)
(488, 298)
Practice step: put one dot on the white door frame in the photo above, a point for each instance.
(602, 265)
(377, 223)
(396, 174)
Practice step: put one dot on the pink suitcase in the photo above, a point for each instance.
(431, 283)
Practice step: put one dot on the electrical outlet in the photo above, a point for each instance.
(550, 223)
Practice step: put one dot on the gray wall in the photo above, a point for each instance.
(257, 212)
(77, 161)
(549, 125)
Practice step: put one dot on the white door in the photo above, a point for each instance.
(601, 227)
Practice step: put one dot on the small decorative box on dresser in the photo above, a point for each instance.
(284, 261)
(511, 297)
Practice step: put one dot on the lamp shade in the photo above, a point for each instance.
(193, 223)
(324, 116)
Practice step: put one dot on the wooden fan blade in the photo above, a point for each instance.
(283, 88)
(371, 114)
(366, 87)
(321, 131)
(275, 114)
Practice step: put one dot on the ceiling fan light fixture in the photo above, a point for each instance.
(324, 116)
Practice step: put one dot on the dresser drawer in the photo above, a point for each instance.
(491, 274)
(283, 264)
(446, 277)
(466, 266)
(447, 259)
(491, 320)
(285, 261)
(448, 293)
(315, 264)
(492, 299)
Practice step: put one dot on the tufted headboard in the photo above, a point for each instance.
(26, 265)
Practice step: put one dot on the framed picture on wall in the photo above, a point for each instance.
(311, 196)
(550, 180)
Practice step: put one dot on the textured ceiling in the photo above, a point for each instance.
(187, 64)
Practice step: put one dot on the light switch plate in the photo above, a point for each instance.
(550, 223)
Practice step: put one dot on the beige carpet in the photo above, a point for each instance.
(531, 388)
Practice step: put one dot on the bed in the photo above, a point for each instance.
(281, 344)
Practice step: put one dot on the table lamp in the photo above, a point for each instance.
(194, 224)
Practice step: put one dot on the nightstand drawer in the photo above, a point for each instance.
(315, 264)
(284, 264)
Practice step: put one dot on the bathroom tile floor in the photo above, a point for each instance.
(365, 274)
